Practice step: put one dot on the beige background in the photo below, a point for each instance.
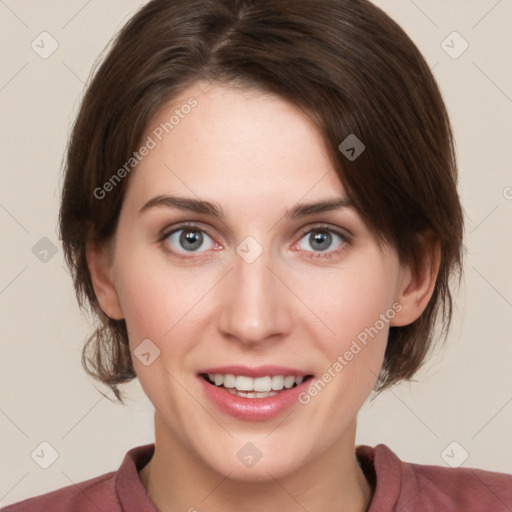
(463, 394)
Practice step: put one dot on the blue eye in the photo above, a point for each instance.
(321, 238)
(188, 239)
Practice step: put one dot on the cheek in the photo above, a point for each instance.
(355, 306)
(143, 307)
(161, 302)
(144, 291)
(351, 300)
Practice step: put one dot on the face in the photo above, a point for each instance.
(264, 291)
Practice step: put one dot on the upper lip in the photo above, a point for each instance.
(256, 371)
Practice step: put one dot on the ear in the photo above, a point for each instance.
(99, 260)
(417, 285)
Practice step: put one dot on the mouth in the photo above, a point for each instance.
(260, 387)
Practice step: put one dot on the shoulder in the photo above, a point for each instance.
(87, 496)
(114, 491)
(464, 488)
(408, 486)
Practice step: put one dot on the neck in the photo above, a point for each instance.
(175, 479)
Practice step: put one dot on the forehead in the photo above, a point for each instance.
(236, 146)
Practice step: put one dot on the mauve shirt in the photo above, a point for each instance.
(399, 486)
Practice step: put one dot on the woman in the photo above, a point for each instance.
(217, 144)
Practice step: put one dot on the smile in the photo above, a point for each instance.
(253, 394)
(249, 387)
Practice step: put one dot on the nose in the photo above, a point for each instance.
(255, 304)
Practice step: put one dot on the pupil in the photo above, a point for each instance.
(319, 237)
(194, 238)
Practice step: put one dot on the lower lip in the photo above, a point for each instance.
(253, 409)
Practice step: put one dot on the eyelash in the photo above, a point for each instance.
(322, 228)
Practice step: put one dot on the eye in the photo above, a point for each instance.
(321, 239)
(186, 239)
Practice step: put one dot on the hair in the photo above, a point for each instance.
(347, 65)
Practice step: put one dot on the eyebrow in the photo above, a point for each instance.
(214, 210)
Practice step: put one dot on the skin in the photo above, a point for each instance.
(256, 156)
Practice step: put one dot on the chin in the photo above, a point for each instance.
(247, 463)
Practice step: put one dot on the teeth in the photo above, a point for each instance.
(289, 381)
(249, 394)
(263, 384)
(229, 381)
(260, 385)
(277, 382)
(244, 383)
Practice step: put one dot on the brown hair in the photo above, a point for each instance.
(345, 63)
